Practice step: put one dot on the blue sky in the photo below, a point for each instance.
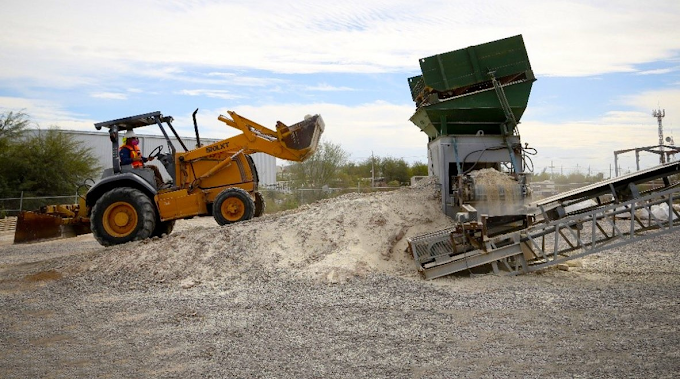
(602, 66)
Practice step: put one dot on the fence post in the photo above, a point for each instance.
(21, 201)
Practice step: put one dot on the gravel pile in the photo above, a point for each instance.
(332, 295)
(331, 240)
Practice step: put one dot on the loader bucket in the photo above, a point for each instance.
(36, 226)
(32, 226)
(302, 137)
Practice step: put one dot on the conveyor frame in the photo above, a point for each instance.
(557, 237)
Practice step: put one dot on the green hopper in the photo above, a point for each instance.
(479, 89)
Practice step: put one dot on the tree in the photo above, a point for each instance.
(395, 170)
(12, 125)
(544, 175)
(41, 162)
(418, 169)
(321, 168)
(58, 163)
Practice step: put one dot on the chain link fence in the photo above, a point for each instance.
(277, 199)
(11, 206)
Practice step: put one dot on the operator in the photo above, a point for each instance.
(130, 154)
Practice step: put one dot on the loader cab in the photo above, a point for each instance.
(166, 158)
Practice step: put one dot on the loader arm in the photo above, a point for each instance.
(294, 143)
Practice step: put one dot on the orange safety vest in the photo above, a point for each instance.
(134, 153)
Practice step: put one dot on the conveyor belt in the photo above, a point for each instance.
(621, 188)
(559, 236)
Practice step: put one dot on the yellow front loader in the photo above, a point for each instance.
(218, 179)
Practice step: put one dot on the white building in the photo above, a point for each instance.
(101, 148)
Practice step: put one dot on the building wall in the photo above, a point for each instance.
(101, 148)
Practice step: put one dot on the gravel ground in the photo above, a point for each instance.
(614, 315)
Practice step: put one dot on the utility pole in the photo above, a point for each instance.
(660, 114)
(372, 170)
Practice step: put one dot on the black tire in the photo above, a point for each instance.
(122, 215)
(163, 227)
(233, 205)
(260, 204)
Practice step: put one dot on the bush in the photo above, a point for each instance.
(41, 162)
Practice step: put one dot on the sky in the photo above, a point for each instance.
(601, 68)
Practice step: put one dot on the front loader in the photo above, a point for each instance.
(218, 179)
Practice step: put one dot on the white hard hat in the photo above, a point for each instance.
(130, 134)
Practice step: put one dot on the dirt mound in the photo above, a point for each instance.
(330, 240)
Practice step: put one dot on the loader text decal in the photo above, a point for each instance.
(212, 149)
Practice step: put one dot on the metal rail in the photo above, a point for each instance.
(593, 231)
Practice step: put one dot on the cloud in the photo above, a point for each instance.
(243, 80)
(47, 43)
(383, 129)
(652, 99)
(46, 113)
(47, 47)
(380, 128)
(109, 95)
(217, 94)
(324, 87)
(592, 143)
(659, 71)
(624, 118)
(647, 101)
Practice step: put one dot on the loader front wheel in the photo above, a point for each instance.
(122, 215)
(233, 205)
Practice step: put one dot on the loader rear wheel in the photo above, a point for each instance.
(260, 204)
(122, 215)
(233, 205)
